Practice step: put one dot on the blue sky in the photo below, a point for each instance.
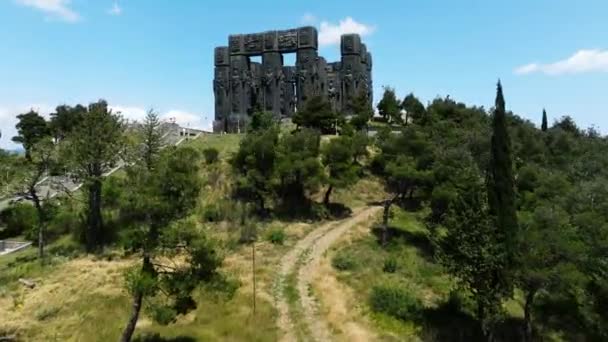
(139, 54)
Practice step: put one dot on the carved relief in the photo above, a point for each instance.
(253, 43)
(240, 85)
(288, 40)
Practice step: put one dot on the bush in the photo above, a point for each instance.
(19, 219)
(390, 265)
(343, 262)
(211, 155)
(212, 213)
(395, 301)
(276, 236)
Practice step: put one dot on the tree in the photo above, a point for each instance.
(389, 107)
(317, 114)
(338, 159)
(362, 111)
(31, 128)
(414, 109)
(261, 121)
(64, 119)
(471, 251)
(298, 169)
(158, 199)
(549, 256)
(403, 165)
(151, 139)
(94, 148)
(42, 157)
(501, 186)
(543, 125)
(254, 165)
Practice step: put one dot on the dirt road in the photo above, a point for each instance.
(298, 268)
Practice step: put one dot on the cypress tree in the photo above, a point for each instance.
(501, 185)
(543, 126)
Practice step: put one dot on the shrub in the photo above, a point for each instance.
(390, 265)
(211, 155)
(343, 262)
(212, 213)
(19, 219)
(276, 236)
(395, 301)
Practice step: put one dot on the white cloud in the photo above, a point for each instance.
(329, 33)
(581, 62)
(54, 8)
(308, 19)
(115, 10)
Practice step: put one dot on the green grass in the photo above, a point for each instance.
(415, 271)
(226, 144)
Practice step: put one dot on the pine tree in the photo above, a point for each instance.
(501, 187)
(543, 126)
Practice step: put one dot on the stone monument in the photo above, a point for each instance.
(242, 86)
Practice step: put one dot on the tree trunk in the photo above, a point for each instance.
(481, 317)
(138, 297)
(94, 217)
(528, 315)
(385, 217)
(41, 219)
(327, 194)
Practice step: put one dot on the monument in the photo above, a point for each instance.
(242, 86)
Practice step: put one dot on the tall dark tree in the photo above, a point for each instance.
(414, 109)
(501, 184)
(64, 119)
(94, 148)
(151, 139)
(544, 124)
(362, 111)
(158, 199)
(317, 114)
(31, 129)
(254, 162)
(338, 158)
(389, 106)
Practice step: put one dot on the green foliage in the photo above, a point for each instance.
(544, 124)
(501, 184)
(317, 114)
(338, 157)
(254, 165)
(414, 109)
(89, 157)
(362, 111)
(343, 261)
(31, 129)
(298, 168)
(18, 219)
(395, 301)
(389, 106)
(211, 155)
(261, 121)
(65, 119)
(390, 265)
(276, 236)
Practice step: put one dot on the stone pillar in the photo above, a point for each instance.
(240, 83)
(352, 69)
(287, 97)
(307, 65)
(221, 88)
(272, 74)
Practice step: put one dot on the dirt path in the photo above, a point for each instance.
(303, 262)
